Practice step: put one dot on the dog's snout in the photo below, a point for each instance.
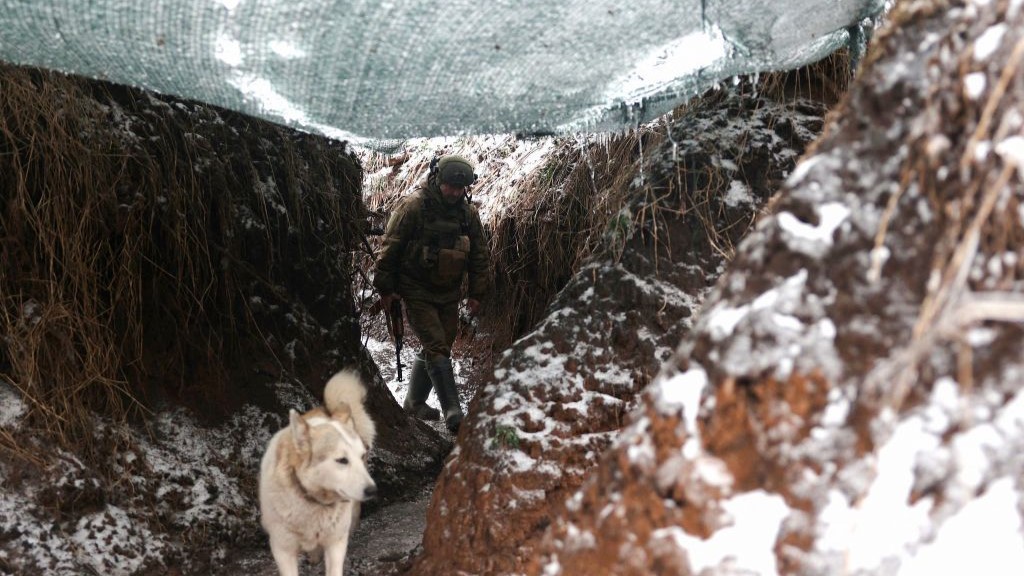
(370, 491)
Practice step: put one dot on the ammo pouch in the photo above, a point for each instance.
(445, 266)
(444, 245)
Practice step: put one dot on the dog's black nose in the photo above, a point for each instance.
(370, 491)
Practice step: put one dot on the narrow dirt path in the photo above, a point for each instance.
(382, 545)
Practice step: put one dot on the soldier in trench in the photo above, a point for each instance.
(433, 241)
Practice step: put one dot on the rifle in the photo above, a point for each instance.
(396, 327)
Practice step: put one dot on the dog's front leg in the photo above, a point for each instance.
(334, 556)
(287, 559)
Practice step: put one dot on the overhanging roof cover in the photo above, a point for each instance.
(395, 69)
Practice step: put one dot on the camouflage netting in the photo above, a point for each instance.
(401, 69)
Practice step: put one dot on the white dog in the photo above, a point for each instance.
(313, 477)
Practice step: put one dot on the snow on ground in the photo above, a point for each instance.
(181, 477)
(11, 406)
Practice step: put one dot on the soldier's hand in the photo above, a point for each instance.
(473, 305)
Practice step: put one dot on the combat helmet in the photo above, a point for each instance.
(454, 170)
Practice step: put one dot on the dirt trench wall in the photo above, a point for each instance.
(158, 254)
(559, 396)
(866, 332)
(155, 248)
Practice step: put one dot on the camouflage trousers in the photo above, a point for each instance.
(436, 326)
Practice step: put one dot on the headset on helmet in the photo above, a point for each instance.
(453, 169)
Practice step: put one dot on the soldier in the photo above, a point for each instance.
(433, 240)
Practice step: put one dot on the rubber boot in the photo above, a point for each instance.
(419, 390)
(443, 376)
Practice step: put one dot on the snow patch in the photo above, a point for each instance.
(939, 412)
(981, 336)
(879, 256)
(738, 193)
(682, 391)
(287, 50)
(801, 170)
(1011, 150)
(135, 544)
(666, 64)
(988, 42)
(974, 85)
(722, 321)
(881, 526)
(747, 546)
(229, 51)
(984, 537)
(810, 239)
(12, 408)
(837, 410)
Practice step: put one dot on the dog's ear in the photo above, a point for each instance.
(300, 431)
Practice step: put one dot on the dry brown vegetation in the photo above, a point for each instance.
(150, 248)
(562, 214)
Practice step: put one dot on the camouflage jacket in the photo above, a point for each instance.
(429, 248)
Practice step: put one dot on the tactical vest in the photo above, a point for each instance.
(442, 246)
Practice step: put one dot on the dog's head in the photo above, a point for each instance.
(330, 457)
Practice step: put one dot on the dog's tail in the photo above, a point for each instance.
(346, 391)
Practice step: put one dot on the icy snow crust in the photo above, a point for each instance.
(914, 461)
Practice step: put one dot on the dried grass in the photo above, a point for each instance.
(976, 210)
(698, 185)
(825, 81)
(57, 311)
(124, 267)
(564, 211)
